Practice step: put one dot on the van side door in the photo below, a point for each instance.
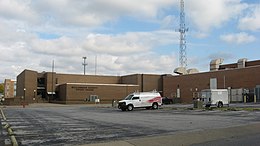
(136, 101)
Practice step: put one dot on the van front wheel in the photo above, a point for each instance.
(155, 105)
(130, 107)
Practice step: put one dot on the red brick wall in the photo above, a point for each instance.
(27, 79)
(77, 93)
(146, 82)
(235, 78)
(152, 82)
(70, 78)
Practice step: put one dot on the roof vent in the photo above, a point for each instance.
(214, 64)
(181, 71)
(192, 71)
(241, 63)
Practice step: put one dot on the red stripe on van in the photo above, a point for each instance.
(155, 99)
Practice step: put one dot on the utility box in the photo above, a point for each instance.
(197, 104)
(236, 95)
(215, 97)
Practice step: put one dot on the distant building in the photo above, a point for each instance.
(70, 88)
(33, 86)
(9, 88)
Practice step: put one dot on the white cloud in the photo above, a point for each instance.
(23, 21)
(200, 34)
(128, 43)
(92, 13)
(125, 53)
(139, 63)
(62, 46)
(114, 65)
(223, 55)
(119, 44)
(238, 38)
(252, 20)
(212, 13)
(169, 22)
(96, 12)
(20, 10)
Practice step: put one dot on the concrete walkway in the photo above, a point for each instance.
(187, 138)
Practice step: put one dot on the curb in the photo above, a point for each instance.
(3, 115)
(9, 130)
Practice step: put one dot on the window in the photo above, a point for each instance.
(135, 98)
(129, 97)
(41, 81)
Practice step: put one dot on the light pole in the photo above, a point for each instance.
(52, 90)
(24, 89)
(2, 99)
(84, 64)
(34, 91)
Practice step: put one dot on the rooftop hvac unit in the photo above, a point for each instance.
(192, 71)
(181, 71)
(241, 63)
(214, 64)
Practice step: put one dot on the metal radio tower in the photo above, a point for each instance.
(182, 30)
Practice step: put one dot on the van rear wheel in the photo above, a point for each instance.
(220, 104)
(130, 107)
(155, 105)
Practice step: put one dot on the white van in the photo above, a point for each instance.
(141, 100)
(215, 97)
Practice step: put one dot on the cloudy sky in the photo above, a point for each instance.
(123, 36)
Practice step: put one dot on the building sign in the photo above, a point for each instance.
(84, 88)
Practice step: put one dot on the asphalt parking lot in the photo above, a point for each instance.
(83, 124)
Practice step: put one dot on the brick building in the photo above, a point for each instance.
(242, 74)
(9, 88)
(70, 88)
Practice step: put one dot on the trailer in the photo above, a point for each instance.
(215, 97)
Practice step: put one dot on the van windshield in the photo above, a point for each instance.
(129, 97)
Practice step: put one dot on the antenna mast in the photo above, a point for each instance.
(84, 64)
(182, 30)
